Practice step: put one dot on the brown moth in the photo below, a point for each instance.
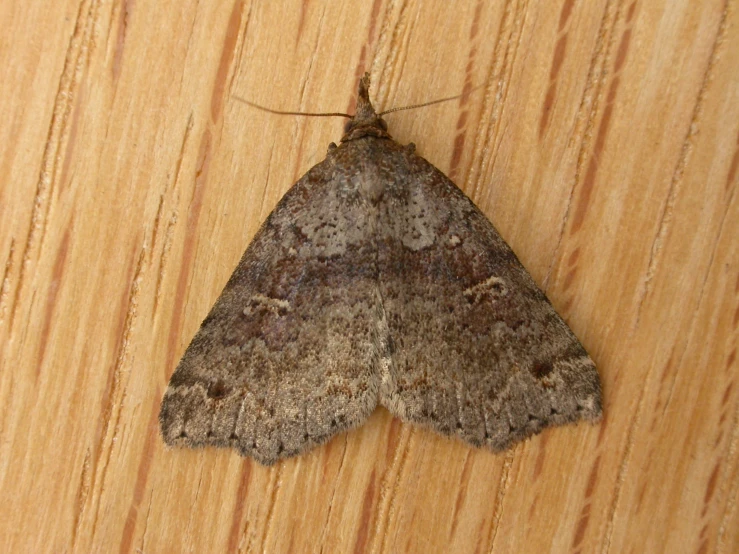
(375, 280)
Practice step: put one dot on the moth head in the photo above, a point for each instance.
(365, 122)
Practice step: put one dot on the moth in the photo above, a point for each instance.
(376, 280)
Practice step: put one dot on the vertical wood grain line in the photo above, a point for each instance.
(587, 116)
(76, 61)
(142, 476)
(693, 128)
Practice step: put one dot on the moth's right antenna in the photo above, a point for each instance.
(413, 106)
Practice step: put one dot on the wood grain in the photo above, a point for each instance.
(603, 141)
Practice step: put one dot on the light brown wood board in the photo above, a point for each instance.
(602, 141)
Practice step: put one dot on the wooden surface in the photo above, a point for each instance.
(604, 144)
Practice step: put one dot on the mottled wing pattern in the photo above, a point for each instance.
(257, 376)
(476, 348)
